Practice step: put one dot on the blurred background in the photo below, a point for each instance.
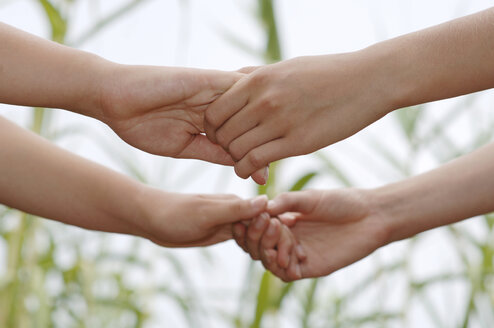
(53, 275)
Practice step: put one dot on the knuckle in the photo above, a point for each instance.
(222, 138)
(270, 102)
(236, 151)
(237, 207)
(253, 235)
(259, 77)
(211, 118)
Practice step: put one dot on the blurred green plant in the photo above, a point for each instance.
(38, 289)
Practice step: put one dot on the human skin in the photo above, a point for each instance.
(301, 105)
(42, 179)
(159, 110)
(339, 227)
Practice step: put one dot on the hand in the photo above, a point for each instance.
(177, 220)
(160, 110)
(288, 251)
(295, 107)
(335, 228)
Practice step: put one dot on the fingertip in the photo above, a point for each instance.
(301, 254)
(261, 176)
(293, 271)
(258, 204)
(240, 174)
(288, 219)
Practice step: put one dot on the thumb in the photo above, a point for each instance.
(203, 149)
(297, 201)
(248, 69)
(238, 209)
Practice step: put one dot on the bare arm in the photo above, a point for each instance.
(300, 105)
(38, 72)
(339, 227)
(42, 179)
(157, 109)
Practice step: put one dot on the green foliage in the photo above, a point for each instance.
(39, 290)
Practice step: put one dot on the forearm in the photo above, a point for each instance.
(38, 72)
(42, 179)
(456, 191)
(448, 60)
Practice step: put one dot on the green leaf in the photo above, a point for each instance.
(333, 169)
(303, 181)
(57, 22)
(262, 299)
(408, 118)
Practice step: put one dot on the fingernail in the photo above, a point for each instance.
(271, 230)
(286, 216)
(265, 216)
(266, 174)
(271, 204)
(266, 256)
(260, 221)
(259, 202)
(300, 251)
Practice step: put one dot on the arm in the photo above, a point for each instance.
(157, 109)
(304, 104)
(45, 180)
(339, 227)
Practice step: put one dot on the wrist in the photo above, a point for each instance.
(402, 210)
(145, 210)
(92, 72)
(388, 69)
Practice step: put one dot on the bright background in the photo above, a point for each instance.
(51, 274)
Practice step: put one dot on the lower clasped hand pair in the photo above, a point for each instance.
(313, 233)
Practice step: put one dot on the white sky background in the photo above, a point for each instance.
(171, 34)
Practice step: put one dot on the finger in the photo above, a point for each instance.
(296, 201)
(248, 69)
(300, 251)
(269, 261)
(285, 247)
(201, 148)
(272, 236)
(254, 234)
(222, 212)
(239, 231)
(262, 134)
(261, 176)
(236, 125)
(261, 156)
(225, 107)
(289, 219)
(293, 271)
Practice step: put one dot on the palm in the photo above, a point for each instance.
(161, 110)
(339, 232)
